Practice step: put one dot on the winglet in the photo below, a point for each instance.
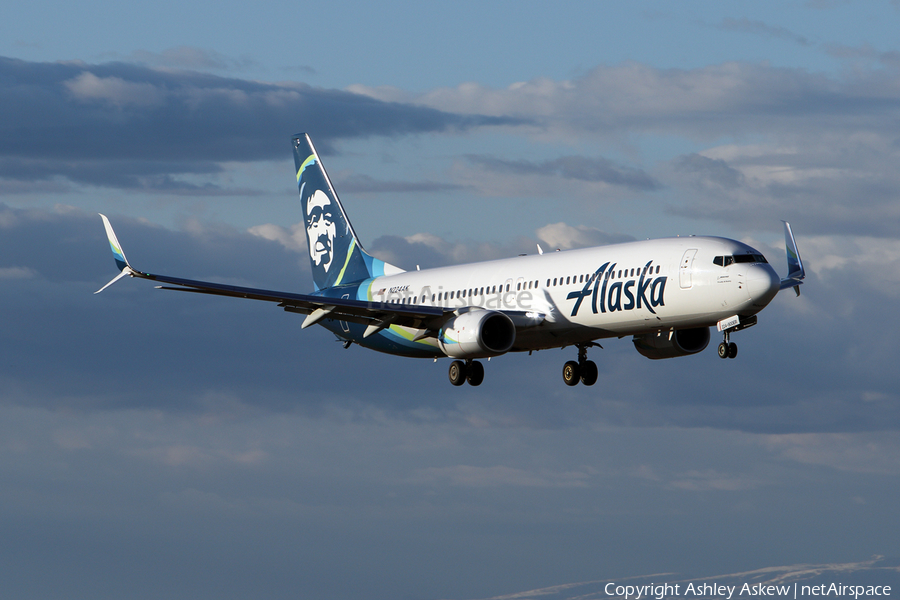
(796, 273)
(118, 254)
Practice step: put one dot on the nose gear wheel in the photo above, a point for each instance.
(727, 349)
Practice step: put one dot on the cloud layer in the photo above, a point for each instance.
(210, 440)
(124, 125)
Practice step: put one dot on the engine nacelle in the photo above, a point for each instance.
(477, 334)
(681, 343)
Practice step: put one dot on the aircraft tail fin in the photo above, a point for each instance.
(335, 254)
(796, 272)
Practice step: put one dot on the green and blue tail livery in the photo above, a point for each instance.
(335, 254)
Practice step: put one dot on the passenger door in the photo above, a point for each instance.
(684, 272)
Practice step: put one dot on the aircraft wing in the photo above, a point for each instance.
(375, 315)
(796, 272)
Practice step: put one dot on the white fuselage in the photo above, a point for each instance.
(593, 293)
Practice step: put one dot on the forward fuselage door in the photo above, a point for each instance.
(684, 273)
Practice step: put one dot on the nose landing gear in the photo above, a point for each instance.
(471, 371)
(584, 370)
(727, 349)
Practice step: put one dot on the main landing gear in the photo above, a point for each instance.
(471, 371)
(584, 370)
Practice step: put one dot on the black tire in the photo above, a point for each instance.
(723, 350)
(457, 372)
(571, 373)
(589, 372)
(732, 350)
(475, 373)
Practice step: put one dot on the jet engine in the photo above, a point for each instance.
(665, 345)
(477, 334)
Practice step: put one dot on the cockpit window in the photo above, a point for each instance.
(724, 261)
(749, 258)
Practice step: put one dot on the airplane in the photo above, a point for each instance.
(665, 293)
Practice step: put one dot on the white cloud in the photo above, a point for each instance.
(567, 237)
(873, 262)
(877, 453)
(17, 273)
(711, 479)
(191, 57)
(635, 98)
(293, 238)
(115, 90)
(501, 475)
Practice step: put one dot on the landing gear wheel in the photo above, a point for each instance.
(457, 372)
(723, 350)
(732, 350)
(571, 373)
(474, 373)
(588, 372)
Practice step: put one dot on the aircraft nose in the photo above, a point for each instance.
(762, 284)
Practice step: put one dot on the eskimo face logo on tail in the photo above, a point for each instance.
(631, 294)
(320, 229)
(326, 230)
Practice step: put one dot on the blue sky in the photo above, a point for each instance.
(164, 445)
